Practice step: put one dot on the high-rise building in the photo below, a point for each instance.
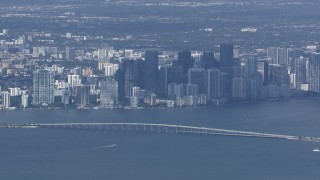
(282, 56)
(251, 66)
(151, 71)
(108, 93)
(139, 73)
(24, 100)
(208, 60)
(272, 54)
(5, 99)
(314, 72)
(226, 55)
(82, 95)
(239, 88)
(74, 80)
(226, 67)
(185, 60)
(43, 87)
(298, 72)
(198, 76)
(213, 83)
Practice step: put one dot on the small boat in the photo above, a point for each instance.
(316, 150)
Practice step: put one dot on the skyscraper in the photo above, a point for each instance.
(282, 55)
(151, 70)
(198, 76)
(43, 87)
(213, 83)
(272, 54)
(226, 55)
(5, 99)
(314, 72)
(82, 95)
(226, 66)
(208, 60)
(185, 60)
(251, 66)
(108, 93)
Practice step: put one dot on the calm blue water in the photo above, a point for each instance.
(78, 154)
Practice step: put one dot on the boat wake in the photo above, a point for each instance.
(316, 150)
(102, 147)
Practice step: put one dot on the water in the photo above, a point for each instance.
(80, 154)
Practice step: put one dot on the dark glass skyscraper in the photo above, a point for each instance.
(226, 55)
(226, 66)
(185, 60)
(208, 60)
(151, 70)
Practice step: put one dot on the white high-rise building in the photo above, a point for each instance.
(110, 69)
(74, 80)
(5, 99)
(24, 100)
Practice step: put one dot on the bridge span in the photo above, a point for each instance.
(160, 128)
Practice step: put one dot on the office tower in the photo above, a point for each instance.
(239, 88)
(43, 87)
(151, 71)
(272, 54)
(254, 87)
(226, 55)
(82, 95)
(138, 73)
(226, 67)
(282, 56)
(213, 83)
(185, 61)
(5, 99)
(208, 60)
(298, 72)
(251, 66)
(263, 69)
(74, 81)
(163, 82)
(198, 76)
(125, 79)
(24, 100)
(108, 93)
(314, 72)
(175, 74)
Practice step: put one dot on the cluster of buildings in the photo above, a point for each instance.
(104, 77)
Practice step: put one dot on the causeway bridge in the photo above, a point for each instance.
(161, 129)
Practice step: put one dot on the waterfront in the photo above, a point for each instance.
(81, 154)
